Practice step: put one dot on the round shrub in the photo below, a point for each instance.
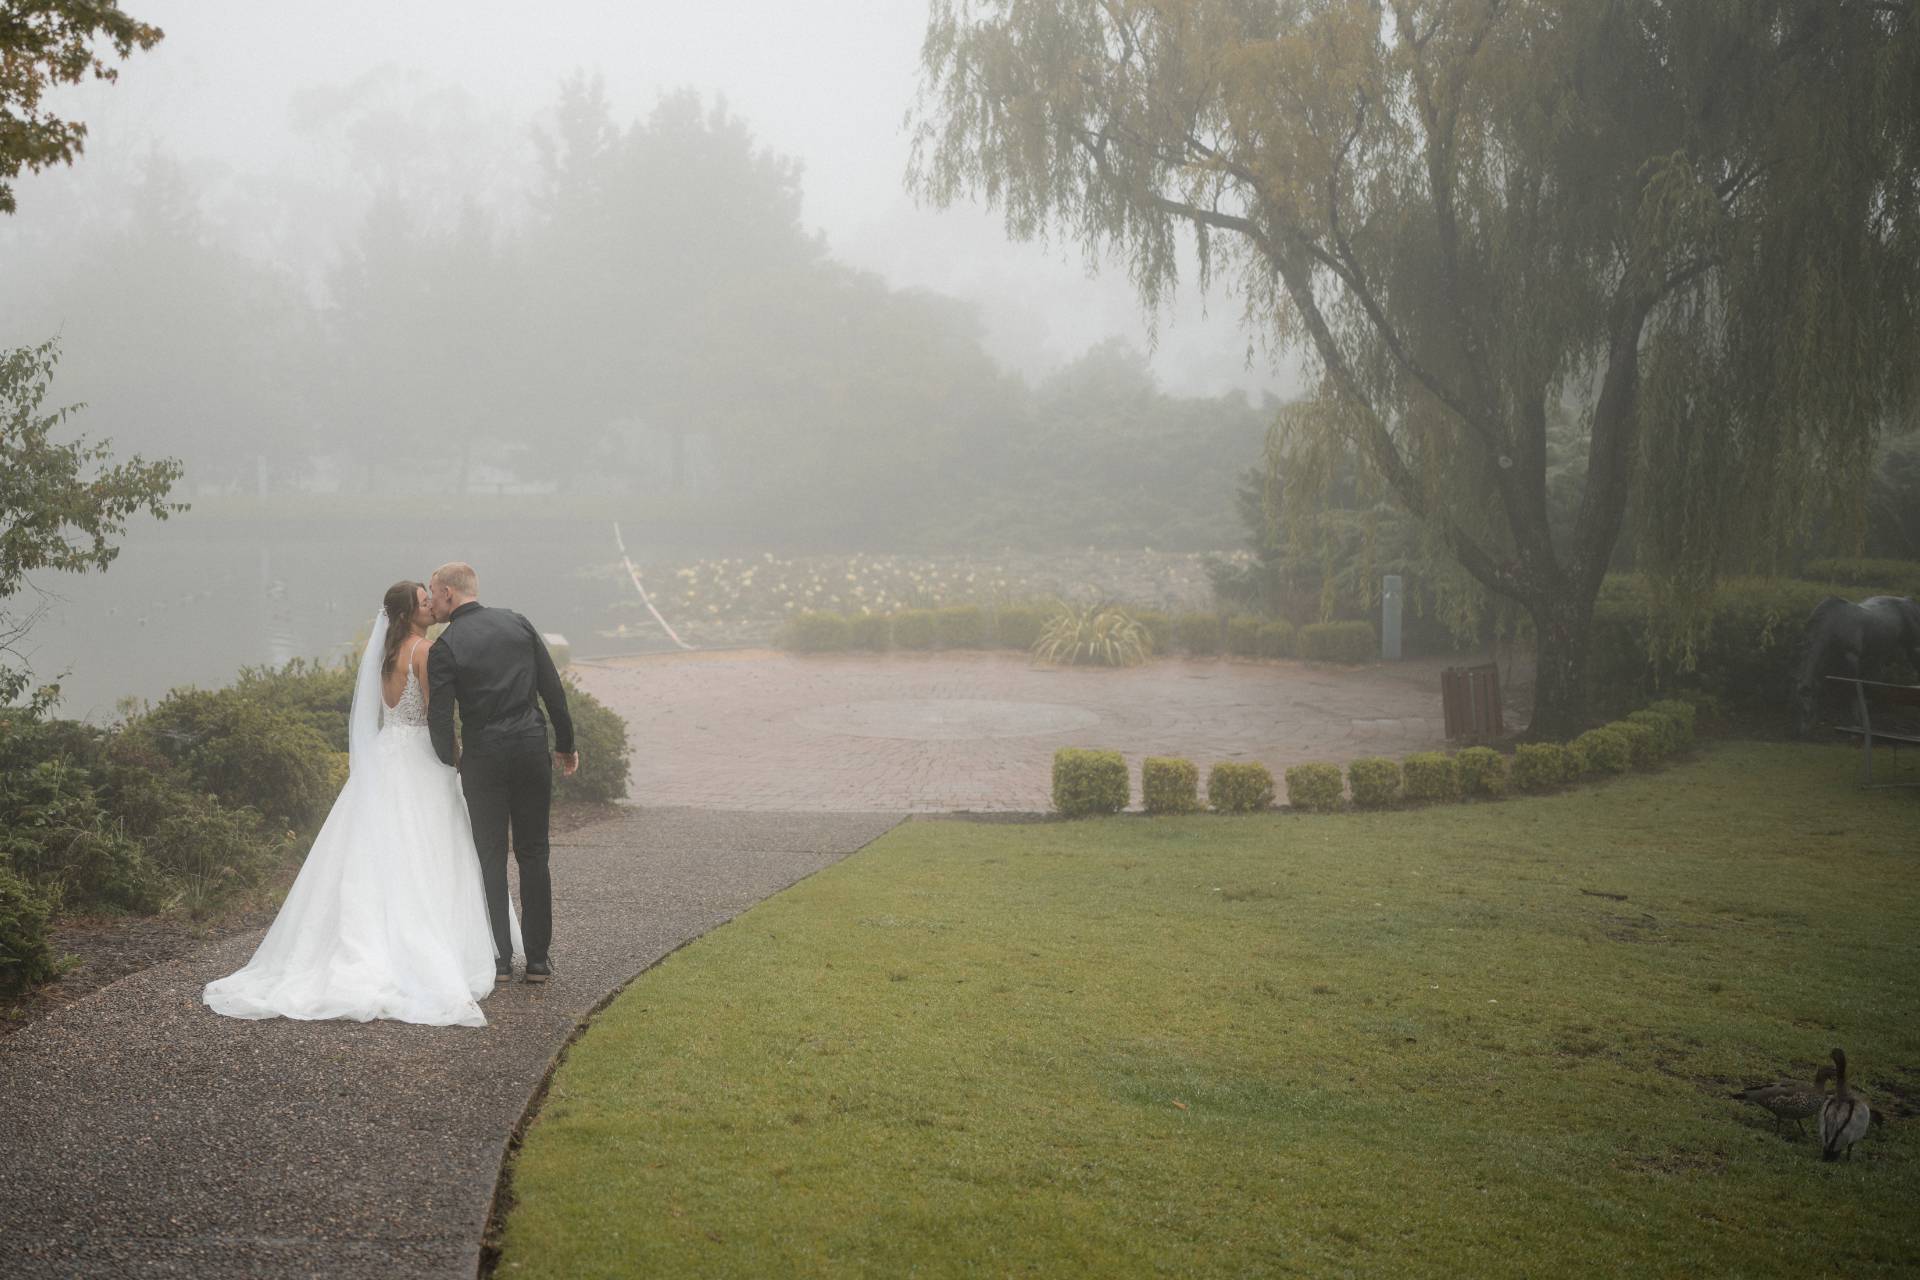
(960, 627)
(318, 696)
(1339, 642)
(600, 734)
(1317, 788)
(1018, 626)
(913, 629)
(1374, 781)
(1276, 640)
(244, 752)
(26, 946)
(1603, 751)
(1159, 629)
(1243, 636)
(1644, 741)
(1430, 776)
(1483, 772)
(1199, 633)
(872, 632)
(1682, 715)
(1240, 788)
(813, 632)
(1169, 785)
(1088, 782)
(1542, 766)
(1666, 730)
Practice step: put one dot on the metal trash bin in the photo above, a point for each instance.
(1470, 698)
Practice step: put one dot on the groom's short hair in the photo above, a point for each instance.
(460, 576)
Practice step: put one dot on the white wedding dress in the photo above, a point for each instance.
(388, 917)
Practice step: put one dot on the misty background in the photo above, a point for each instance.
(402, 284)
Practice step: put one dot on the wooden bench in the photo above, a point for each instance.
(1869, 693)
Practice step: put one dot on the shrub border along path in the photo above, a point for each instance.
(145, 1135)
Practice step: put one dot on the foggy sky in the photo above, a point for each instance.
(827, 82)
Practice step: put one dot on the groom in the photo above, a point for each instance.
(493, 663)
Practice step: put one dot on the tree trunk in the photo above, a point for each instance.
(1562, 628)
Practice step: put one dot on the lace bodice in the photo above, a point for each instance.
(412, 707)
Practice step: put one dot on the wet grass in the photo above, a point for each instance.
(1477, 1040)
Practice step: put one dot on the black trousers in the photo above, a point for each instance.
(509, 796)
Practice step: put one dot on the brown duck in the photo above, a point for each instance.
(1790, 1099)
(1843, 1117)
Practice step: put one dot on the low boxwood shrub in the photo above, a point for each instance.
(1239, 787)
(1243, 636)
(1483, 772)
(1374, 782)
(1666, 730)
(1200, 633)
(1159, 628)
(600, 734)
(871, 632)
(1088, 782)
(815, 632)
(1276, 640)
(1644, 741)
(1169, 785)
(1542, 766)
(1018, 626)
(1316, 787)
(26, 941)
(913, 629)
(1338, 642)
(962, 626)
(1430, 776)
(1683, 714)
(1603, 751)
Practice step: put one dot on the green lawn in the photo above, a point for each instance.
(1419, 1043)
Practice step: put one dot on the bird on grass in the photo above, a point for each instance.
(1793, 1100)
(1843, 1117)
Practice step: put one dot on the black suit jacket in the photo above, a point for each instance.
(493, 664)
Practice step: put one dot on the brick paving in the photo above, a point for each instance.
(943, 732)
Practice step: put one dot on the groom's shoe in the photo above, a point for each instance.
(502, 972)
(538, 971)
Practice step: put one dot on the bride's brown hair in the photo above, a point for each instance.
(401, 600)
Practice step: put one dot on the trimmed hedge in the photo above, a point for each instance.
(1159, 628)
(1088, 782)
(960, 627)
(1240, 788)
(1019, 626)
(1682, 715)
(1349, 642)
(1430, 776)
(1200, 633)
(1543, 766)
(1666, 731)
(1243, 636)
(1603, 751)
(814, 632)
(913, 629)
(1643, 741)
(1169, 785)
(1316, 787)
(1277, 640)
(1483, 772)
(1374, 781)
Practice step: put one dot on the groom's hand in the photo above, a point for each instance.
(566, 762)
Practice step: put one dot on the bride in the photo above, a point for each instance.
(388, 918)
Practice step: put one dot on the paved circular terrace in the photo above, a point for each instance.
(910, 732)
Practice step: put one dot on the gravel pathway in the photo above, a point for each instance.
(141, 1134)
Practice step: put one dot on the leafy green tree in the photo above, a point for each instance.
(48, 43)
(1695, 223)
(60, 504)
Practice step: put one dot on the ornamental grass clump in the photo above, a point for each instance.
(1374, 781)
(1276, 640)
(1543, 766)
(913, 629)
(1316, 788)
(1199, 633)
(814, 632)
(1603, 751)
(1099, 635)
(1243, 636)
(1430, 777)
(870, 631)
(1483, 772)
(1088, 782)
(1240, 788)
(1169, 785)
(1349, 642)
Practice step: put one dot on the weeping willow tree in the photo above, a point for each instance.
(1691, 222)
